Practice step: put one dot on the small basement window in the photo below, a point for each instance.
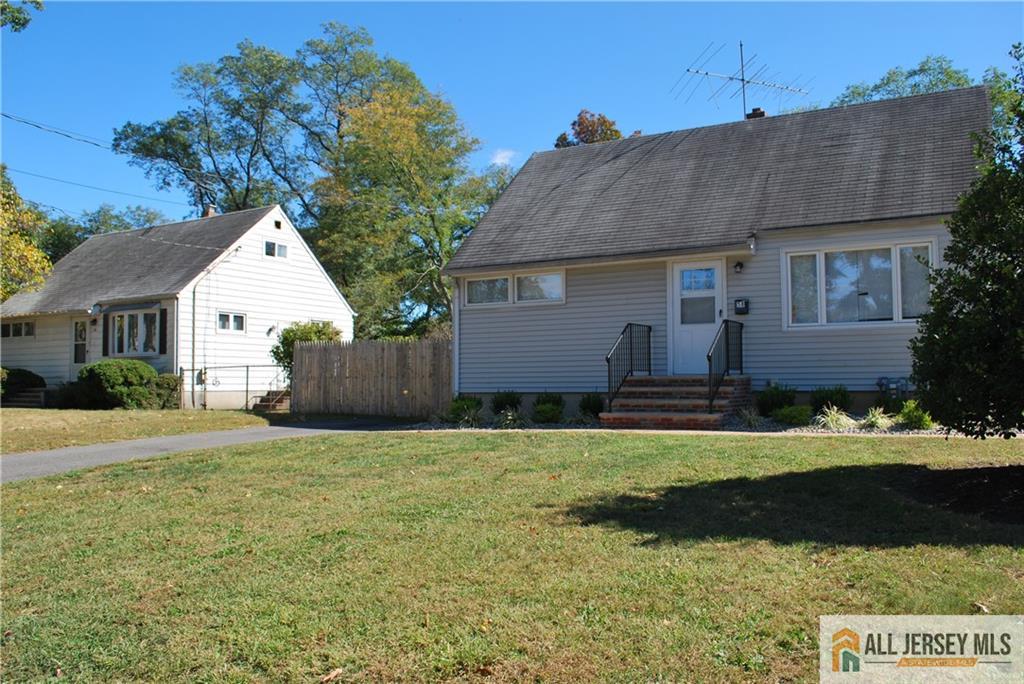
(275, 249)
(230, 322)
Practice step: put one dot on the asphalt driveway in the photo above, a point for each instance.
(24, 466)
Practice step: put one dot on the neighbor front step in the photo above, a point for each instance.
(663, 421)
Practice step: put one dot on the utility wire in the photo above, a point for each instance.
(93, 187)
(80, 137)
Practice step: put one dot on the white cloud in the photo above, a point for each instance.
(502, 157)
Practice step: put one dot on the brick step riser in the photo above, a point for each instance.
(681, 423)
(662, 407)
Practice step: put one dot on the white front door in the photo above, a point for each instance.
(697, 302)
(79, 345)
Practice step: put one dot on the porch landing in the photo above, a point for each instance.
(675, 402)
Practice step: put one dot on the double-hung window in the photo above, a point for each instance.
(134, 333)
(858, 285)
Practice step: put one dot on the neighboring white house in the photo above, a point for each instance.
(807, 228)
(211, 293)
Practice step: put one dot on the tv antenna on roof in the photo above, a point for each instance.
(696, 74)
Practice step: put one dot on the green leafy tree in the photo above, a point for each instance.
(23, 265)
(16, 16)
(283, 352)
(588, 128)
(933, 74)
(62, 234)
(969, 353)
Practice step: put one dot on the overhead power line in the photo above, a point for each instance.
(94, 187)
(79, 137)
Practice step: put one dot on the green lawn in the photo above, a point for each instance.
(554, 556)
(36, 429)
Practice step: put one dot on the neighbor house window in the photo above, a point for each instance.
(487, 291)
(876, 284)
(541, 287)
(134, 333)
(23, 329)
(275, 249)
(230, 322)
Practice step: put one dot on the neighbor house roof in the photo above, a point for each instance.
(134, 264)
(715, 186)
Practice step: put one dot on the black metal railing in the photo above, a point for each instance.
(631, 354)
(724, 356)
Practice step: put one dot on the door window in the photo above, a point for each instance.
(697, 296)
(81, 333)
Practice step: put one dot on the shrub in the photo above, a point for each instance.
(834, 418)
(913, 417)
(118, 383)
(888, 403)
(592, 404)
(471, 418)
(510, 419)
(581, 420)
(3, 380)
(749, 417)
(462, 406)
(837, 396)
(876, 419)
(547, 413)
(17, 379)
(792, 415)
(283, 352)
(503, 401)
(167, 391)
(549, 399)
(775, 397)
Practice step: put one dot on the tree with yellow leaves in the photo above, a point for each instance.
(24, 265)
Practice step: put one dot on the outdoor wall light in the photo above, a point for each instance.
(738, 267)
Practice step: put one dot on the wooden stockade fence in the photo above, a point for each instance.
(373, 378)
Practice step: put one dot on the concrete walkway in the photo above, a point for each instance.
(24, 466)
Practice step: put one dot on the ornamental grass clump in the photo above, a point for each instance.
(834, 418)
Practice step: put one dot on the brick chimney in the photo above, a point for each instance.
(210, 210)
(756, 113)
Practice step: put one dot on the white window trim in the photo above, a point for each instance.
(112, 342)
(10, 330)
(275, 255)
(513, 294)
(819, 252)
(230, 330)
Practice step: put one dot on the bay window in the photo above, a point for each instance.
(134, 333)
(858, 285)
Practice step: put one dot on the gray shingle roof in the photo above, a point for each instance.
(715, 186)
(135, 264)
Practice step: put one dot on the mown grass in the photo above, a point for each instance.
(38, 429)
(501, 556)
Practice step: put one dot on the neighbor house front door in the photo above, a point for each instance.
(697, 303)
(79, 345)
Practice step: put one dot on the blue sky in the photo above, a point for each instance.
(516, 73)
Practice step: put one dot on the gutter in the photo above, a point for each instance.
(195, 286)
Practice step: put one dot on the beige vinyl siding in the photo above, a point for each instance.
(47, 354)
(272, 292)
(561, 347)
(854, 355)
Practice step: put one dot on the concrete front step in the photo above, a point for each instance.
(663, 420)
(658, 404)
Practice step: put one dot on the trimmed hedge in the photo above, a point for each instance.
(118, 383)
(837, 396)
